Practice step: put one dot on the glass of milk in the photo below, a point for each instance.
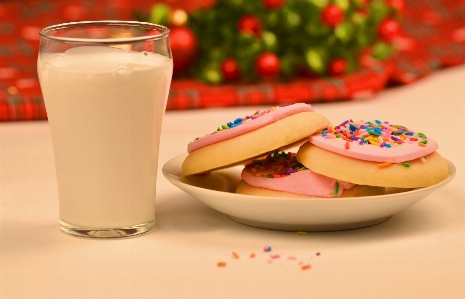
(105, 86)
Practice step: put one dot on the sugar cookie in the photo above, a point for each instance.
(252, 136)
(281, 175)
(374, 153)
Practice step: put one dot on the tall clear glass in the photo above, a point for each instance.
(105, 86)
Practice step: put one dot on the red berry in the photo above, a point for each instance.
(230, 69)
(267, 65)
(273, 4)
(388, 29)
(337, 66)
(250, 24)
(332, 15)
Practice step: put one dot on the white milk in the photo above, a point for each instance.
(105, 108)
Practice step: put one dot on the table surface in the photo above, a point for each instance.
(418, 253)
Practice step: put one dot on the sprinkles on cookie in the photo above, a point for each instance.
(245, 138)
(276, 165)
(376, 133)
(241, 120)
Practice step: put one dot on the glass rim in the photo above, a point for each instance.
(164, 32)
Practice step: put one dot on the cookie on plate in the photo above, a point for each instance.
(281, 175)
(375, 153)
(252, 136)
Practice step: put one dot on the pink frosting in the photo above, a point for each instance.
(377, 141)
(408, 151)
(304, 182)
(250, 124)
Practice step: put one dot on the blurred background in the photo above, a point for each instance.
(262, 52)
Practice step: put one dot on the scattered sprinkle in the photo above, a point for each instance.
(384, 165)
(422, 159)
(347, 145)
(301, 263)
(306, 267)
(407, 164)
(336, 189)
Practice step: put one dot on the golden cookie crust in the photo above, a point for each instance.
(255, 143)
(420, 174)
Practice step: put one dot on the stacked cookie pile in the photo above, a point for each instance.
(354, 158)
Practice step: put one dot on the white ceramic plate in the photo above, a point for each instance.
(216, 190)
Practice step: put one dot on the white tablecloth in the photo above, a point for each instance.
(418, 253)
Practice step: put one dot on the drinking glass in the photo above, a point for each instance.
(105, 85)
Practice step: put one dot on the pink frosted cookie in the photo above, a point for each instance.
(374, 153)
(252, 136)
(282, 175)
(375, 141)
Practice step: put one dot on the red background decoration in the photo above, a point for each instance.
(432, 36)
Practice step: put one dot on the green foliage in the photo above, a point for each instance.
(294, 32)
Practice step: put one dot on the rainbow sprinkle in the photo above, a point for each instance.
(376, 133)
(306, 267)
(336, 190)
(241, 120)
(301, 263)
(276, 165)
(384, 165)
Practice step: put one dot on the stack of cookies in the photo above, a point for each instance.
(354, 158)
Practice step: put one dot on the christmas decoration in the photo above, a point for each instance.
(337, 66)
(250, 24)
(388, 29)
(184, 46)
(273, 4)
(178, 17)
(249, 41)
(230, 69)
(332, 15)
(267, 65)
(399, 5)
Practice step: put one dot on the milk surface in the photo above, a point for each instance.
(105, 107)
